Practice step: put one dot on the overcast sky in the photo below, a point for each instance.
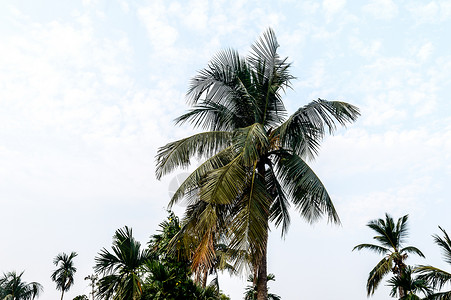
(89, 91)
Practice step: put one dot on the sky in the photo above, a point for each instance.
(89, 91)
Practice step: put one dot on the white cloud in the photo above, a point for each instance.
(381, 9)
(425, 51)
(332, 7)
(432, 12)
(161, 34)
(365, 48)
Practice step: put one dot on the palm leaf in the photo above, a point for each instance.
(251, 142)
(374, 248)
(249, 226)
(304, 188)
(437, 277)
(189, 187)
(411, 249)
(377, 273)
(224, 185)
(279, 211)
(179, 153)
(303, 130)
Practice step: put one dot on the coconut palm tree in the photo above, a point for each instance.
(64, 275)
(436, 276)
(411, 285)
(121, 269)
(13, 288)
(391, 238)
(255, 155)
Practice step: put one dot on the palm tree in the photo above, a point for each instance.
(255, 155)
(436, 276)
(93, 278)
(64, 275)
(391, 238)
(251, 290)
(409, 284)
(121, 268)
(13, 288)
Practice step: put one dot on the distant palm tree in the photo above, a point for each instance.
(93, 278)
(409, 284)
(251, 290)
(438, 277)
(64, 275)
(13, 288)
(121, 269)
(391, 238)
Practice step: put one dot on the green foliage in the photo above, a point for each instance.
(251, 289)
(81, 297)
(120, 270)
(409, 285)
(391, 237)
(168, 274)
(64, 275)
(13, 288)
(438, 278)
(255, 156)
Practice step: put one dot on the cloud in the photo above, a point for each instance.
(425, 51)
(332, 7)
(381, 9)
(432, 12)
(365, 48)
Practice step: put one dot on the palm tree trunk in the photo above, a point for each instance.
(401, 292)
(62, 294)
(204, 278)
(262, 281)
(262, 266)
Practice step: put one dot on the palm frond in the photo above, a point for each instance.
(179, 153)
(213, 116)
(190, 186)
(411, 249)
(374, 248)
(445, 245)
(303, 130)
(305, 189)
(252, 142)
(377, 273)
(437, 277)
(249, 226)
(279, 211)
(224, 185)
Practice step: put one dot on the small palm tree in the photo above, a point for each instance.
(409, 284)
(64, 275)
(121, 269)
(13, 288)
(391, 238)
(251, 290)
(438, 277)
(93, 278)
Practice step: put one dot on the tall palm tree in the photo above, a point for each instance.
(13, 288)
(409, 284)
(121, 269)
(255, 155)
(64, 275)
(391, 238)
(436, 276)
